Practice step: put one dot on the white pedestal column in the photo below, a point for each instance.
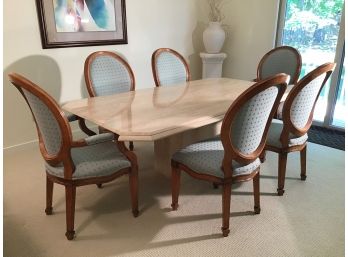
(212, 64)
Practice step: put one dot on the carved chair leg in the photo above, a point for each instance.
(263, 156)
(133, 185)
(282, 158)
(49, 196)
(226, 203)
(70, 196)
(256, 184)
(100, 185)
(131, 145)
(303, 154)
(215, 185)
(175, 187)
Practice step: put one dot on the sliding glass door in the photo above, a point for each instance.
(316, 29)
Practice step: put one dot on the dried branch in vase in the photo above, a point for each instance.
(215, 10)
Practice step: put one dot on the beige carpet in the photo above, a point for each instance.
(307, 221)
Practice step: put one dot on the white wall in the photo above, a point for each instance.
(251, 26)
(151, 24)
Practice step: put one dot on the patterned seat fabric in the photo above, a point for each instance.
(300, 111)
(249, 124)
(304, 101)
(109, 76)
(93, 161)
(206, 157)
(276, 129)
(246, 133)
(170, 69)
(47, 123)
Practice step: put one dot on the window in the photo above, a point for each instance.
(316, 29)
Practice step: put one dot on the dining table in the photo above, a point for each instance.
(171, 116)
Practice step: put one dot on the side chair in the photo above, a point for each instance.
(282, 59)
(290, 135)
(92, 160)
(234, 157)
(169, 67)
(108, 73)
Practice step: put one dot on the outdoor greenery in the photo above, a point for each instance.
(312, 23)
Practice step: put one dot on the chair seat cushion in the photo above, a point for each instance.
(93, 161)
(206, 158)
(273, 138)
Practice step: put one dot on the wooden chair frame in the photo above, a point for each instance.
(64, 157)
(231, 153)
(89, 83)
(289, 127)
(154, 66)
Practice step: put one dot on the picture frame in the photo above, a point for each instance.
(75, 23)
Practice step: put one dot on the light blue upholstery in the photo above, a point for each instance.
(206, 157)
(96, 139)
(93, 161)
(303, 103)
(109, 76)
(170, 69)
(282, 60)
(71, 117)
(47, 123)
(247, 130)
(249, 124)
(275, 131)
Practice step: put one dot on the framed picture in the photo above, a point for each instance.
(71, 23)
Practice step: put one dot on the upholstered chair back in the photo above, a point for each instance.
(283, 59)
(247, 121)
(50, 120)
(299, 105)
(47, 124)
(107, 73)
(169, 67)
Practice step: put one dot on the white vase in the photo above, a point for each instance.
(213, 38)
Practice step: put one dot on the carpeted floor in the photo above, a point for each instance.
(327, 137)
(307, 221)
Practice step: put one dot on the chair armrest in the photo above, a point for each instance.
(84, 128)
(71, 117)
(82, 124)
(100, 138)
(93, 140)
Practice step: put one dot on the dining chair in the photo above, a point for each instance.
(169, 67)
(234, 157)
(290, 135)
(108, 73)
(73, 163)
(282, 59)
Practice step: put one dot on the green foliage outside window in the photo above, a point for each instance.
(312, 23)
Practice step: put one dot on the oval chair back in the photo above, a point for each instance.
(299, 105)
(107, 73)
(169, 67)
(52, 126)
(283, 59)
(244, 128)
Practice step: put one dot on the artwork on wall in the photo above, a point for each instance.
(69, 23)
